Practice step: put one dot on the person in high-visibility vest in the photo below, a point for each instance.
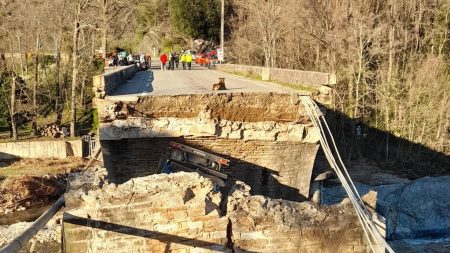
(189, 60)
(183, 59)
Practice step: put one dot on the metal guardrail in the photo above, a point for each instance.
(20, 241)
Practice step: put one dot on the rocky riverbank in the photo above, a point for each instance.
(46, 240)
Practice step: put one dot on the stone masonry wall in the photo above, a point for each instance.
(242, 107)
(273, 168)
(309, 78)
(261, 224)
(321, 82)
(181, 213)
(268, 137)
(162, 213)
(136, 127)
(106, 83)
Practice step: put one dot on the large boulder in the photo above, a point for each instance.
(412, 210)
(418, 209)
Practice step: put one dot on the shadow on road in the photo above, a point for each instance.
(142, 82)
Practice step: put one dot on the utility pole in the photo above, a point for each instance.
(222, 25)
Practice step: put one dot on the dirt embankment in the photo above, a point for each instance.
(233, 107)
(24, 192)
(30, 183)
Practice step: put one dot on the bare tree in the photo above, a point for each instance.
(79, 22)
(267, 18)
(114, 17)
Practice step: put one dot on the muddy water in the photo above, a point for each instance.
(27, 215)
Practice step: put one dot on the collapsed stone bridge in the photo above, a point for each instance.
(271, 145)
(263, 130)
(268, 138)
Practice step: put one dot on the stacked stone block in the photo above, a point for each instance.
(260, 224)
(162, 213)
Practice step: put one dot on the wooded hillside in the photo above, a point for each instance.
(391, 57)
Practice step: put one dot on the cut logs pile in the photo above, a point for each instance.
(52, 131)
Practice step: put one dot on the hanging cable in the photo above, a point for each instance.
(373, 236)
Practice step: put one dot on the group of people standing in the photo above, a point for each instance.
(123, 59)
(172, 60)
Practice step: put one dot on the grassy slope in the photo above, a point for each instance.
(39, 167)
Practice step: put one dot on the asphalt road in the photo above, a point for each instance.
(199, 80)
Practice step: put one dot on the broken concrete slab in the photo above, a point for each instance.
(202, 127)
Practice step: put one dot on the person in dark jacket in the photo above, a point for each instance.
(177, 60)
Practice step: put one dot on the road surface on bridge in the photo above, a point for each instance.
(199, 80)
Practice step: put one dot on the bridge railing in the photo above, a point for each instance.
(305, 78)
(106, 83)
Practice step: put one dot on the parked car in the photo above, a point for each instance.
(207, 59)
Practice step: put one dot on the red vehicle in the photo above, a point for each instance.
(208, 58)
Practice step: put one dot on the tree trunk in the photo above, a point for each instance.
(73, 95)
(105, 27)
(387, 93)
(12, 108)
(12, 101)
(2, 61)
(35, 84)
(83, 85)
(58, 105)
(19, 44)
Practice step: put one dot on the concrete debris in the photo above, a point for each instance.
(176, 212)
(91, 179)
(47, 239)
(50, 233)
(412, 210)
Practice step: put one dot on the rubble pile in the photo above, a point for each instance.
(23, 192)
(261, 224)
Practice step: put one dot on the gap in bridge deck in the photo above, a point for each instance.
(272, 168)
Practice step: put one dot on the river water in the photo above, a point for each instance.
(30, 214)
